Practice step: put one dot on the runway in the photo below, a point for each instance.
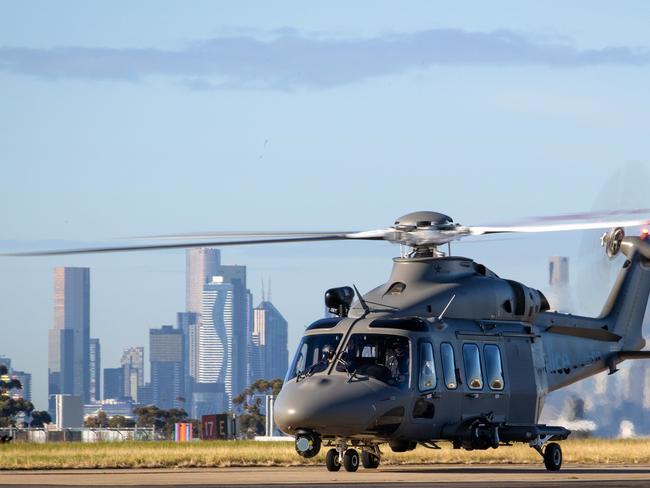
(456, 476)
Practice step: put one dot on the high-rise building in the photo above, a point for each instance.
(166, 346)
(95, 362)
(69, 339)
(132, 363)
(113, 383)
(201, 265)
(558, 270)
(5, 361)
(270, 335)
(26, 383)
(216, 348)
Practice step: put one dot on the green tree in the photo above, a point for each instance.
(40, 418)
(120, 422)
(98, 421)
(251, 420)
(11, 408)
(161, 420)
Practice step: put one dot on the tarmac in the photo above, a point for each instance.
(413, 476)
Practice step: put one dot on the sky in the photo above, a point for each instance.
(138, 118)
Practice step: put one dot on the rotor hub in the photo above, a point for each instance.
(422, 220)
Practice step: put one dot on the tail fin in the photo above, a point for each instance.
(626, 305)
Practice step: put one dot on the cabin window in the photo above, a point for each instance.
(427, 367)
(493, 366)
(472, 362)
(448, 365)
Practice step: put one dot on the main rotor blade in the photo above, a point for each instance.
(557, 227)
(235, 234)
(367, 235)
(579, 216)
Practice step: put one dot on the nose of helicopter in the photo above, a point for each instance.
(326, 404)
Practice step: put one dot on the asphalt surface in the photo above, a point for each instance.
(511, 476)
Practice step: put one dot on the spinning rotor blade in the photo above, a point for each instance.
(368, 235)
(558, 227)
(236, 234)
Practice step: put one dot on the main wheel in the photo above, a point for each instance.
(369, 460)
(332, 460)
(351, 460)
(553, 457)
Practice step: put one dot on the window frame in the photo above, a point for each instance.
(487, 372)
(452, 373)
(421, 343)
(475, 346)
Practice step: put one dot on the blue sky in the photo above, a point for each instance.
(130, 118)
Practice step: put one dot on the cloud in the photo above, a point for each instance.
(288, 59)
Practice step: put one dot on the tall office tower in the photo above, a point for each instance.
(6, 361)
(187, 322)
(132, 363)
(26, 383)
(113, 383)
(201, 265)
(69, 339)
(270, 331)
(95, 358)
(559, 296)
(558, 270)
(166, 347)
(216, 348)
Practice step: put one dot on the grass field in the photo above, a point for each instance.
(250, 453)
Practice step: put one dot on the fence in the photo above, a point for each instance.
(85, 434)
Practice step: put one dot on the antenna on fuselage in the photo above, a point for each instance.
(446, 307)
(363, 303)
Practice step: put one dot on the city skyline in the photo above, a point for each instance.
(89, 157)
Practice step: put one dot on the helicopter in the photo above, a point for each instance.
(445, 350)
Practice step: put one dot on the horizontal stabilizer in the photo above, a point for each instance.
(585, 333)
(619, 356)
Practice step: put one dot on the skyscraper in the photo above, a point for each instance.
(132, 363)
(201, 265)
(166, 347)
(270, 333)
(95, 370)
(26, 383)
(69, 340)
(216, 348)
(113, 383)
(558, 270)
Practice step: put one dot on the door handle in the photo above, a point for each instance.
(471, 395)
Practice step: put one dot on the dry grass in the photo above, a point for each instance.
(249, 453)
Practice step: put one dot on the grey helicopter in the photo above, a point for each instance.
(445, 350)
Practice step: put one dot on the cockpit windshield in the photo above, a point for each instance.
(314, 355)
(380, 356)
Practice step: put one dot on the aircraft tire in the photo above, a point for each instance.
(332, 460)
(351, 460)
(369, 460)
(553, 457)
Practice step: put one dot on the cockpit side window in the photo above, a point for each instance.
(314, 354)
(472, 363)
(493, 367)
(427, 367)
(448, 365)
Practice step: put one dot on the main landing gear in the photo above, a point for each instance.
(348, 457)
(552, 453)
